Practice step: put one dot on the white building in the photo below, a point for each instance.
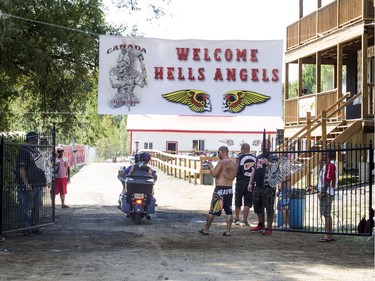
(187, 133)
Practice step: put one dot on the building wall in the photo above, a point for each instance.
(185, 140)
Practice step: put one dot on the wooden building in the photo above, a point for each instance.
(338, 36)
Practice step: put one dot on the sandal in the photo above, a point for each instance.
(202, 232)
(225, 234)
(325, 240)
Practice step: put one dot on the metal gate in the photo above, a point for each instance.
(23, 209)
(353, 197)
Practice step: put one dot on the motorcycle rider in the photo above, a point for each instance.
(144, 158)
(140, 163)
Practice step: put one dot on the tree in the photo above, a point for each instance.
(48, 60)
(49, 68)
(309, 79)
(139, 14)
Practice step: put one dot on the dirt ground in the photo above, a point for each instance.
(93, 240)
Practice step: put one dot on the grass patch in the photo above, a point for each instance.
(75, 170)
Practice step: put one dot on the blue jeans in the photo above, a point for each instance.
(29, 203)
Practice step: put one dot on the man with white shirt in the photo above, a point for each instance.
(61, 176)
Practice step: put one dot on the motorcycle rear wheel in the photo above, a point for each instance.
(137, 218)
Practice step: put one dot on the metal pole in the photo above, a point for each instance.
(53, 172)
(371, 167)
(2, 205)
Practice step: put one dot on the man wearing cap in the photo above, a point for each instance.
(31, 181)
(61, 176)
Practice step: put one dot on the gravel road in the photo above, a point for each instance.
(93, 240)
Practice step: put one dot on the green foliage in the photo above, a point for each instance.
(46, 63)
(309, 79)
(327, 77)
(293, 89)
(49, 69)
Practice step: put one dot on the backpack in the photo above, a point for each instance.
(365, 226)
(362, 226)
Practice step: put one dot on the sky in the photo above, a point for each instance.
(220, 19)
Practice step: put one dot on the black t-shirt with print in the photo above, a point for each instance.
(246, 163)
(27, 158)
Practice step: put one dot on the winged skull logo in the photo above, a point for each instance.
(197, 100)
(236, 100)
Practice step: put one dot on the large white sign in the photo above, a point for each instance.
(189, 77)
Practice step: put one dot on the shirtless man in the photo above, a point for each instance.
(224, 174)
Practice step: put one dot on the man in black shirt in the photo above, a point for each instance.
(245, 164)
(31, 181)
(263, 185)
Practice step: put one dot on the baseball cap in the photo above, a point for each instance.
(31, 135)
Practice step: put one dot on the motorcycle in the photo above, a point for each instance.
(137, 200)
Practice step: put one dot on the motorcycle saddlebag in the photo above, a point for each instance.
(139, 185)
(125, 207)
(151, 206)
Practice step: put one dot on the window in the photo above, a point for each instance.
(198, 145)
(148, 145)
(171, 146)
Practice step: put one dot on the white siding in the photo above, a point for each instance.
(185, 140)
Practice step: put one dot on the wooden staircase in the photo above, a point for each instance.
(339, 132)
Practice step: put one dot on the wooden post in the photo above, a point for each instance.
(286, 83)
(339, 75)
(308, 144)
(299, 85)
(318, 72)
(189, 170)
(201, 171)
(195, 174)
(300, 8)
(324, 129)
(364, 89)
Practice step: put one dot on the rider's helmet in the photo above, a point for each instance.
(145, 157)
(137, 158)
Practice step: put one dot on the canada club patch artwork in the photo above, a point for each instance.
(128, 73)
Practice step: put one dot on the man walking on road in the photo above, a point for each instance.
(224, 174)
(245, 165)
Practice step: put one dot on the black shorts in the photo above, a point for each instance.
(264, 197)
(241, 191)
(226, 194)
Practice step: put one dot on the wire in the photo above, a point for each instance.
(50, 24)
(45, 112)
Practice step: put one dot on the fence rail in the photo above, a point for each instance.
(353, 199)
(23, 209)
(190, 168)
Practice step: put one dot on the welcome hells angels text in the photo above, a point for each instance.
(218, 55)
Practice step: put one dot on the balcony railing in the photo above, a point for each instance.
(331, 17)
(296, 108)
